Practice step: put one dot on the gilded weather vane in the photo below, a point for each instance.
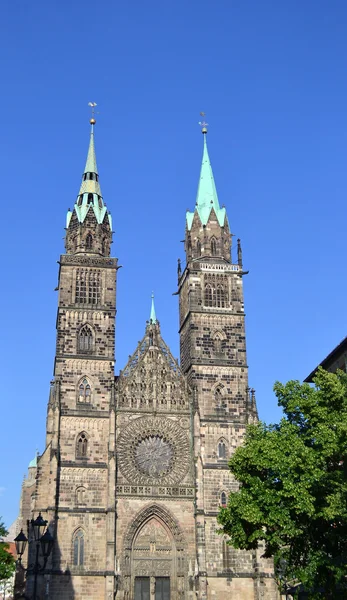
(92, 106)
(203, 123)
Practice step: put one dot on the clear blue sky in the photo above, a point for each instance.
(272, 78)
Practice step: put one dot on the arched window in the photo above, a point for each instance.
(85, 339)
(89, 241)
(100, 202)
(198, 248)
(78, 548)
(90, 198)
(217, 342)
(81, 445)
(74, 243)
(213, 247)
(221, 450)
(218, 397)
(220, 296)
(84, 391)
(209, 293)
(80, 200)
(223, 499)
(80, 496)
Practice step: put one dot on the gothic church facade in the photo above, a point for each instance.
(135, 466)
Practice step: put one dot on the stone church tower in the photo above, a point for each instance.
(135, 466)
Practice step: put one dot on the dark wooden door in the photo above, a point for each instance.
(142, 588)
(162, 588)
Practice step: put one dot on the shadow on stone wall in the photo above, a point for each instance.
(53, 583)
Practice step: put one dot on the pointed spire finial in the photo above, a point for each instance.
(153, 317)
(203, 123)
(92, 106)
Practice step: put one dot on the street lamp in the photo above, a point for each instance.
(43, 539)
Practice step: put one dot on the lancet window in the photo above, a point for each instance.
(78, 548)
(85, 339)
(221, 450)
(223, 499)
(80, 496)
(213, 247)
(84, 391)
(220, 296)
(209, 294)
(217, 342)
(89, 238)
(81, 445)
(198, 248)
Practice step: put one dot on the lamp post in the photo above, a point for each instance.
(43, 539)
(281, 572)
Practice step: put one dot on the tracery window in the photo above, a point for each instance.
(220, 296)
(223, 499)
(209, 294)
(78, 548)
(85, 339)
(84, 391)
(81, 445)
(88, 286)
(221, 450)
(213, 247)
(215, 290)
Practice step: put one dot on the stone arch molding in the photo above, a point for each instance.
(164, 516)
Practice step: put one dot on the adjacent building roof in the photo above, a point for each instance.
(331, 360)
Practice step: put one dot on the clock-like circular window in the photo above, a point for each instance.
(153, 451)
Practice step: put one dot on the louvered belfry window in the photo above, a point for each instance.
(88, 286)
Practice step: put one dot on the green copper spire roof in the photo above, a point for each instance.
(91, 166)
(33, 462)
(90, 192)
(206, 198)
(153, 317)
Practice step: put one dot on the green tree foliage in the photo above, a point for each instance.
(7, 562)
(293, 486)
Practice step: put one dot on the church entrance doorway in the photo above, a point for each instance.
(157, 589)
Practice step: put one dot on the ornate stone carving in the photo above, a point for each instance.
(153, 451)
(89, 261)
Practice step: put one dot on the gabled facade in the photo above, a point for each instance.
(135, 466)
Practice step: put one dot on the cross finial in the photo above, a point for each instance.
(203, 123)
(92, 106)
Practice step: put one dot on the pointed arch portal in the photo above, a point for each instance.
(154, 557)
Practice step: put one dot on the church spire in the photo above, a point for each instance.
(206, 197)
(90, 177)
(153, 317)
(90, 192)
